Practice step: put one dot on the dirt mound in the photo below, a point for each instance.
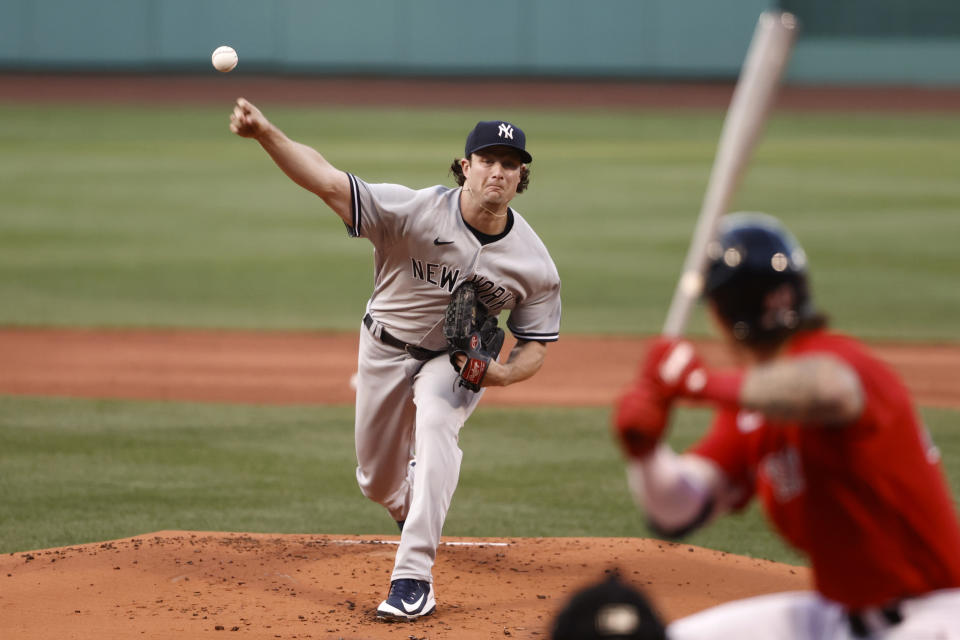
(197, 585)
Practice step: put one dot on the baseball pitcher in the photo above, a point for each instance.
(447, 262)
(822, 433)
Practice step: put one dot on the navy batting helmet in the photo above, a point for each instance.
(756, 279)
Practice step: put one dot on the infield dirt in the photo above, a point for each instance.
(315, 368)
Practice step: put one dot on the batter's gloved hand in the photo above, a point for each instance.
(640, 419)
(470, 333)
(673, 368)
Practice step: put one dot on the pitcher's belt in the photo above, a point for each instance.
(419, 353)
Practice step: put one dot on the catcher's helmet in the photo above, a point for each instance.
(609, 610)
(756, 278)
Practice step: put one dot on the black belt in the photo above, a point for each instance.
(418, 353)
(859, 627)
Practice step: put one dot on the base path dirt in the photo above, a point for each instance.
(206, 585)
(316, 368)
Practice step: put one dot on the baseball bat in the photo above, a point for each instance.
(751, 103)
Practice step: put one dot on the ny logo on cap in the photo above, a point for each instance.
(505, 131)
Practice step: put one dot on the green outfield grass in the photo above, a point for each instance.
(159, 217)
(77, 471)
(123, 216)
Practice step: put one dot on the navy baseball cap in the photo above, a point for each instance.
(496, 133)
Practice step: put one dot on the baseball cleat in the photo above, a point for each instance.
(408, 600)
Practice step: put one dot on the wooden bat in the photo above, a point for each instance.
(751, 103)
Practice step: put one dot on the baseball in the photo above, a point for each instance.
(224, 58)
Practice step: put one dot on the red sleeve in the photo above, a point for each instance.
(725, 446)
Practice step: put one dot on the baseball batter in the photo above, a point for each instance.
(822, 433)
(409, 405)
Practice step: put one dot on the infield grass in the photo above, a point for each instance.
(132, 216)
(77, 471)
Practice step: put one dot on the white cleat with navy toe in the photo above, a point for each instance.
(408, 600)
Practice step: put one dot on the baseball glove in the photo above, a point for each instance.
(470, 331)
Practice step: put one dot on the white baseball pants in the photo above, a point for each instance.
(806, 615)
(408, 408)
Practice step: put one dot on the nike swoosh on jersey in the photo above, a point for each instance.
(437, 241)
(416, 605)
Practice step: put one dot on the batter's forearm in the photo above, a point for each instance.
(816, 389)
(309, 169)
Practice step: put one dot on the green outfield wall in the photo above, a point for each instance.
(683, 39)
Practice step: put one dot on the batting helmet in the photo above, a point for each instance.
(756, 279)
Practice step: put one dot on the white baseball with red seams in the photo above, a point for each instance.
(224, 58)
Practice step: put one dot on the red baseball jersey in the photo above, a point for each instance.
(867, 502)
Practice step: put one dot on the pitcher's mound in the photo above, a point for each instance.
(180, 584)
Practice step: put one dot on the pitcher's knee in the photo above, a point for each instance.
(369, 488)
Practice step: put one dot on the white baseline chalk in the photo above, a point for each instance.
(448, 544)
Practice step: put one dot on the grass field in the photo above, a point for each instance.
(118, 216)
(81, 471)
(160, 217)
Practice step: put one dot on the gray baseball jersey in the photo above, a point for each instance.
(423, 249)
(409, 409)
